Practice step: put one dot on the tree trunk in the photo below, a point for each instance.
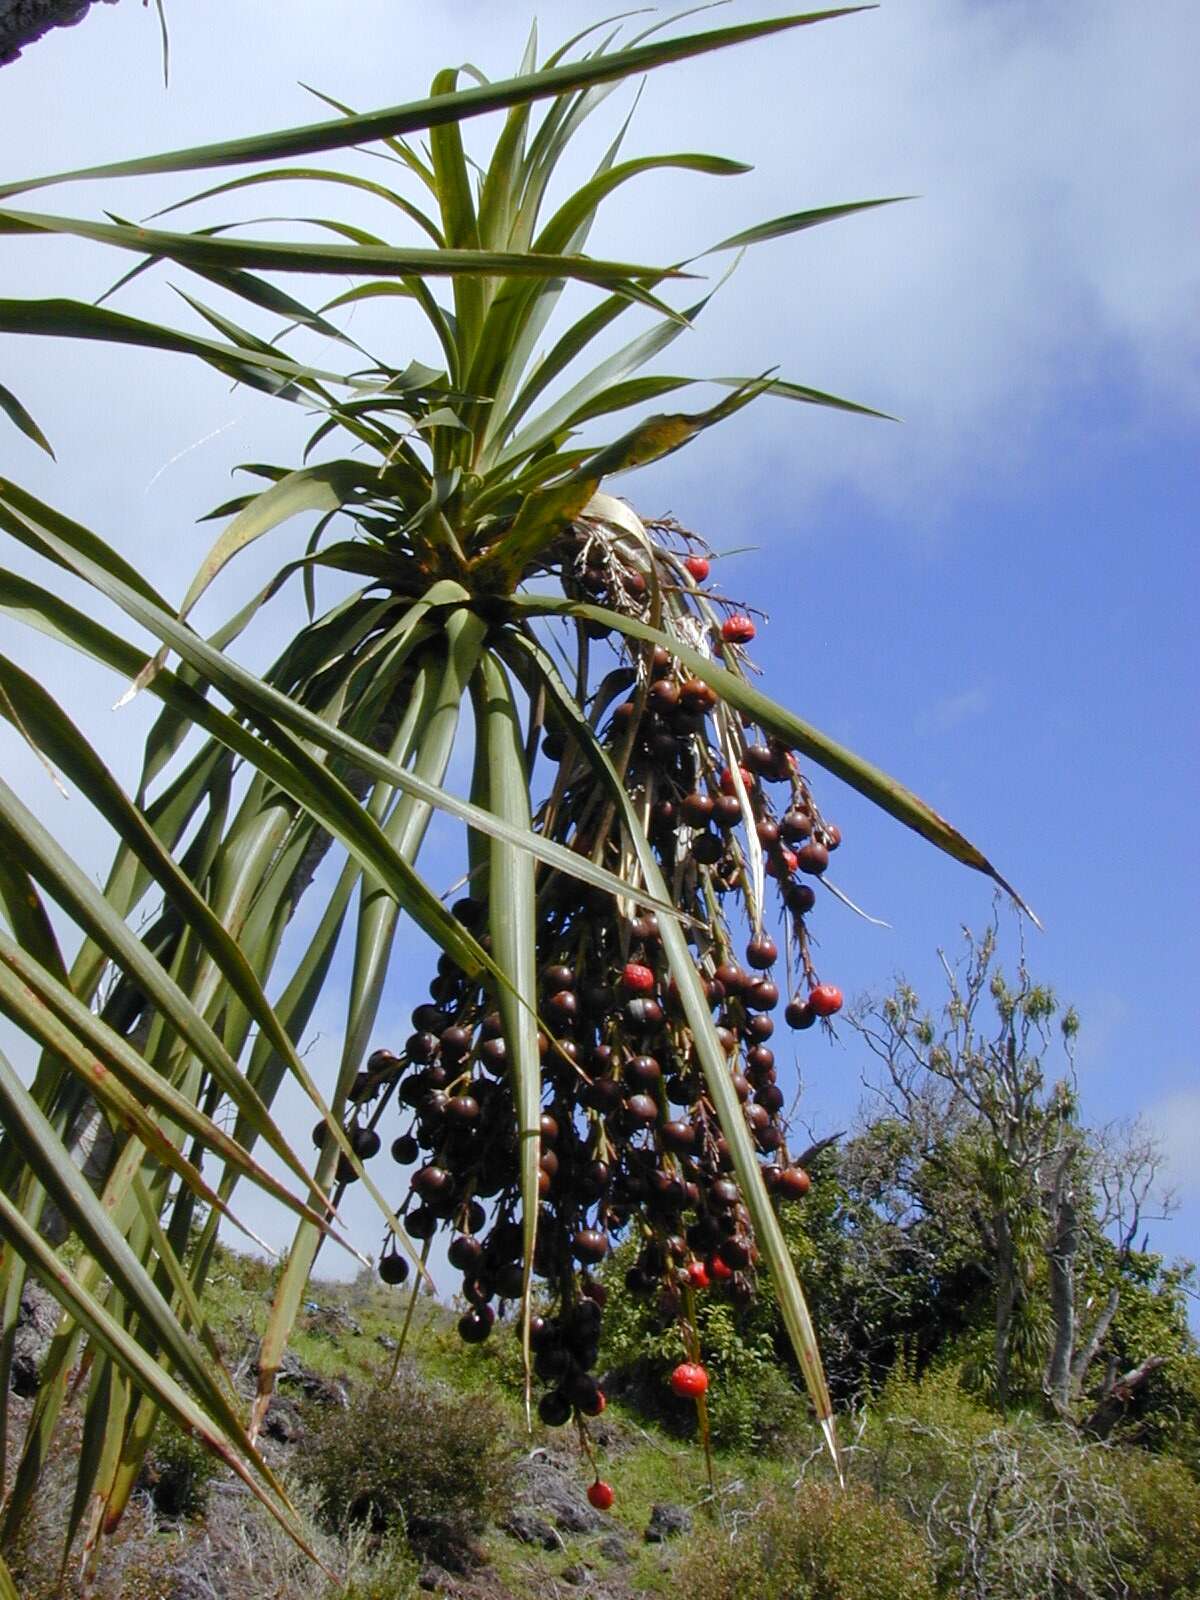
(23, 22)
(1061, 1253)
(1114, 1402)
(1006, 1300)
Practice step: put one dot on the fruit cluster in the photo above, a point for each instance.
(630, 1140)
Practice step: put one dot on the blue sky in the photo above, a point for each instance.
(994, 600)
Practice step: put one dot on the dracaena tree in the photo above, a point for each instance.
(592, 1061)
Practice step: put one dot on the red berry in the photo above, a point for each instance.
(689, 1380)
(601, 1494)
(782, 866)
(697, 1274)
(595, 1406)
(737, 630)
(825, 999)
(717, 1269)
(636, 979)
(727, 780)
(698, 567)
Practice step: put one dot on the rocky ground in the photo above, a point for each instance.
(546, 1540)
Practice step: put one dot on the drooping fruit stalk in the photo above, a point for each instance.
(631, 1143)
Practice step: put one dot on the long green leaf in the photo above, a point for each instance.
(323, 488)
(512, 922)
(197, 250)
(735, 691)
(583, 203)
(422, 114)
(460, 225)
(798, 222)
(350, 180)
(18, 415)
(27, 915)
(70, 319)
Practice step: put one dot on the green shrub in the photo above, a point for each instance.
(412, 1456)
(495, 1366)
(383, 1569)
(755, 1407)
(752, 1402)
(178, 1472)
(824, 1544)
(1161, 1552)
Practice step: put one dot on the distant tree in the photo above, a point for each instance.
(971, 1222)
(994, 1195)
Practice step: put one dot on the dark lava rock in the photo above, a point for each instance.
(529, 1528)
(666, 1521)
(613, 1548)
(282, 1422)
(324, 1391)
(573, 1515)
(445, 1545)
(576, 1574)
(37, 1318)
(554, 1490)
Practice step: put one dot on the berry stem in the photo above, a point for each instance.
(586, 1444)
(691, 1340)
(408, 1315)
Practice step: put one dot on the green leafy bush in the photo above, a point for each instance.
(1161, 1553)
(823, 1544)
(752, 1404)
(412, 1456)
(178, 1473)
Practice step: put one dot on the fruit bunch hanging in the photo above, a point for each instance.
(631, 1144)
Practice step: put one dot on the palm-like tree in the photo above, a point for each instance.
(467, 511)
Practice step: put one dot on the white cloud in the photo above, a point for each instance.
(1176, 1119)
(953, 711)
(1052, 251)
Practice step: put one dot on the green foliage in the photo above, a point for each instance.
(412, 1457)
(1151, 1319)
(494, 1367)
(386, 1570)
(752, 1404)
(1161, 1554)
(178, 1473)
(446, 493)
(822, 1544)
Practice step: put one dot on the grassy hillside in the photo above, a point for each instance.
(429, 1483)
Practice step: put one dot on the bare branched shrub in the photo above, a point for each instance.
(1023, 1507)
(241, 1550)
